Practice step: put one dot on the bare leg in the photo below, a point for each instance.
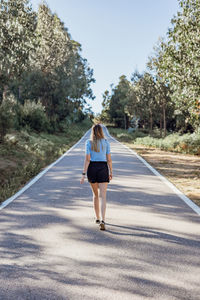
(94, 187)
(102, 195)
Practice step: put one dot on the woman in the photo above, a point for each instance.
(97, 162)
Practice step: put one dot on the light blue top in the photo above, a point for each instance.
(101, 155)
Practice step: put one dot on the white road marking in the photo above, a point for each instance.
(189, 202)
(37, 177)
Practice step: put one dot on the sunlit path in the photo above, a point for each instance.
(50, 247)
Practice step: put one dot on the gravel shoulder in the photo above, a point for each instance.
(183, 170)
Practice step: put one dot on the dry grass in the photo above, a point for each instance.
(183, 170)
(28, 153)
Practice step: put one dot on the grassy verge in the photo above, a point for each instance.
(25, 154)
(186, 143)
(182, 169)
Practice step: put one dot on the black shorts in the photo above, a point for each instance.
(98, 172)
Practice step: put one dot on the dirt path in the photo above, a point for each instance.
(182, 170)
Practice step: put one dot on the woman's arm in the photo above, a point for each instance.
(86, 164)
(109, 161)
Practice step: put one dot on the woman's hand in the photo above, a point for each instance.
(110, 176)
(82, 179)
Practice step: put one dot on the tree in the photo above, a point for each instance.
(157, 65)
(60, 75)
(105, 117)
(53, 39)
(184, 44)
(177, 63)
(40, 62)
(118, 103)
(17, 33)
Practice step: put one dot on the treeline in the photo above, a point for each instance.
(44, 80)
(167, 95)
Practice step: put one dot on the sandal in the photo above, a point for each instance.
(102, 225)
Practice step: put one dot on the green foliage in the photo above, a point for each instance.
(29, 152)
(144, 99)
(176, 63)
(168, 96)
(6, 119)
(185, 143)
(124, 135)
(34, 116)
(64, 76)
(116, 107)
(39, 61)
(17, 23)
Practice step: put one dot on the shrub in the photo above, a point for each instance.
(34, 116)
(63, 126)
(124, 135)
(7, 115)
(186, 143)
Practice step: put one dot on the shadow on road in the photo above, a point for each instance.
(50, 247)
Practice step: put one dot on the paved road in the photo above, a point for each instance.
(50, 247)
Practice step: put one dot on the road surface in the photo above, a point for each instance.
(50, 247)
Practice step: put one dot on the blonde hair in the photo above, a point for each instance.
(96, 136)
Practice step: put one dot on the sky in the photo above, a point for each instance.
(117, 36)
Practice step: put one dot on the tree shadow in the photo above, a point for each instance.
(50, 247)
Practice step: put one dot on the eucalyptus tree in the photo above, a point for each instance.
(164, 104)
(53, 41)
(46, 57)
(73, 79)
(146, 94)
(105, 116)
(66, 76)
(184, 58)
(163, 97)
(150, 100)
(131, 99)
(118, 103)
(17, 34)
(177, 63)
(135, 103)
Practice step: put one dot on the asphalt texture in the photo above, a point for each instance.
(50, 247)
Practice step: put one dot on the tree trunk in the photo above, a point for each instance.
(164, 119)
(19, 92)
(151, 122)
(5, 91)
(160, 125)
(127, 121)
(124, 121)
